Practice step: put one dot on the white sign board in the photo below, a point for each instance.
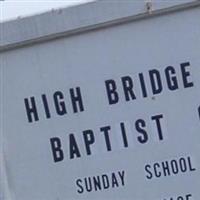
(108, 114)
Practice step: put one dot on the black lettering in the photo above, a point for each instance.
(46, 106)
(31, 110)
(105, 181)
(188, 196)
(123, 130)
(88, 139)
(88, 184)
(165, 167)
(122, 176)
(155, 79)
(158, 124)
(114, 181)
(190, 164)
(174, 166)
(106, 130)
(185, 75)
(156, 167)
(97, 183)
(73, 147)
(183, 165)
(128, 88)
(76, 100)
(143, 86)
(59, 103)
(172, 82)
(58, 154)
(140, 125)
(112, 94)
(149, 173)
(78, 183)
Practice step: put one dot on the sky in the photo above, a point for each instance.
(11, 9)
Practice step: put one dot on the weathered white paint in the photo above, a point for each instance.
(77, 19)
(86, 59)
